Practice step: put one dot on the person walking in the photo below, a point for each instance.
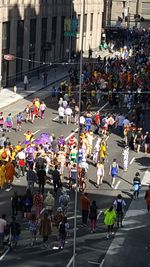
(147, 198)
(14, 203)
(113, 172)
(42, 109)
(61, 114)
(49, 202)
(45, 228)
(100, 173)
(56, 180)
(8, 123)
(119, 205)
(9, 173)
(64, 201)
(109, 220)
(38, 203)
(146, 142)
(33, 229)
(15, 230)
(41, 175)
(125, 154)
(31, 178)
(93, 216)
(63, 227)
(27, 203)
(1, 121)
(19, 121)
(68, 112)
(85, 205)
(136, 185)
(26, 82)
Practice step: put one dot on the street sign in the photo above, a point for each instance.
(9, 57)
(70, 27)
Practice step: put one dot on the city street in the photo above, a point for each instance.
(91, 247)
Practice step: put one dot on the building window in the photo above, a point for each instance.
(79, 21)
(6, 36)
(124, 4)
(62, 28)
(91, 23)
(32, 34)
(85, 23)
(19, 48)
(54, 29)
(44, 31)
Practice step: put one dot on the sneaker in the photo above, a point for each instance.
(107, 236)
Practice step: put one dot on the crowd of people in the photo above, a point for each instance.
(50, 159)
(35, 110)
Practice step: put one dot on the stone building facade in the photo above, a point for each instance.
(115, 9)
(33, 31)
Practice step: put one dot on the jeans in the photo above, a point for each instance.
(84, 216)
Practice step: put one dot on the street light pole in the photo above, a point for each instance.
(80, 88)
(70, 37)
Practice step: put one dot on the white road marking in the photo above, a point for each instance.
(55, 248)
(56, 118)
(146, 178)
(72, 217)
(71, 134)
(99, 214)
(4, 254)
(70, 262)
(132, 160)
(8, 189)
(103, 106)
(101, 264)
(116, 186)
(36, 131)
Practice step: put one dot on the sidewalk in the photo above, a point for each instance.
(131, 245)
(8, 97)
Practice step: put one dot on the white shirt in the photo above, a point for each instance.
(121, 119)
(21, 155)
(84, 165)
(82, 120)
(68, 111)
(61, 111)
(126, 122)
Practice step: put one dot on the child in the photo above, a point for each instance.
(33, 228)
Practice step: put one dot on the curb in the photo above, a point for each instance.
(39, 89)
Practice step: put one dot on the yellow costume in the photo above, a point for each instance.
(2, 176)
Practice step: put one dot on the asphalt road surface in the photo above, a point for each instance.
(91, 248)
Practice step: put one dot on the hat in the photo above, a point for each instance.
(59, 209)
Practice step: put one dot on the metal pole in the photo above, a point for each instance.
(80, 88)
(70, 37)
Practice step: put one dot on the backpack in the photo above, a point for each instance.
(38, 200)
(4, 155)
(119, 206)
(62, 228)
(27, 201)
(65, 200)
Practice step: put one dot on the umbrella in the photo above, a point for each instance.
(39, 141)
(26, 142)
